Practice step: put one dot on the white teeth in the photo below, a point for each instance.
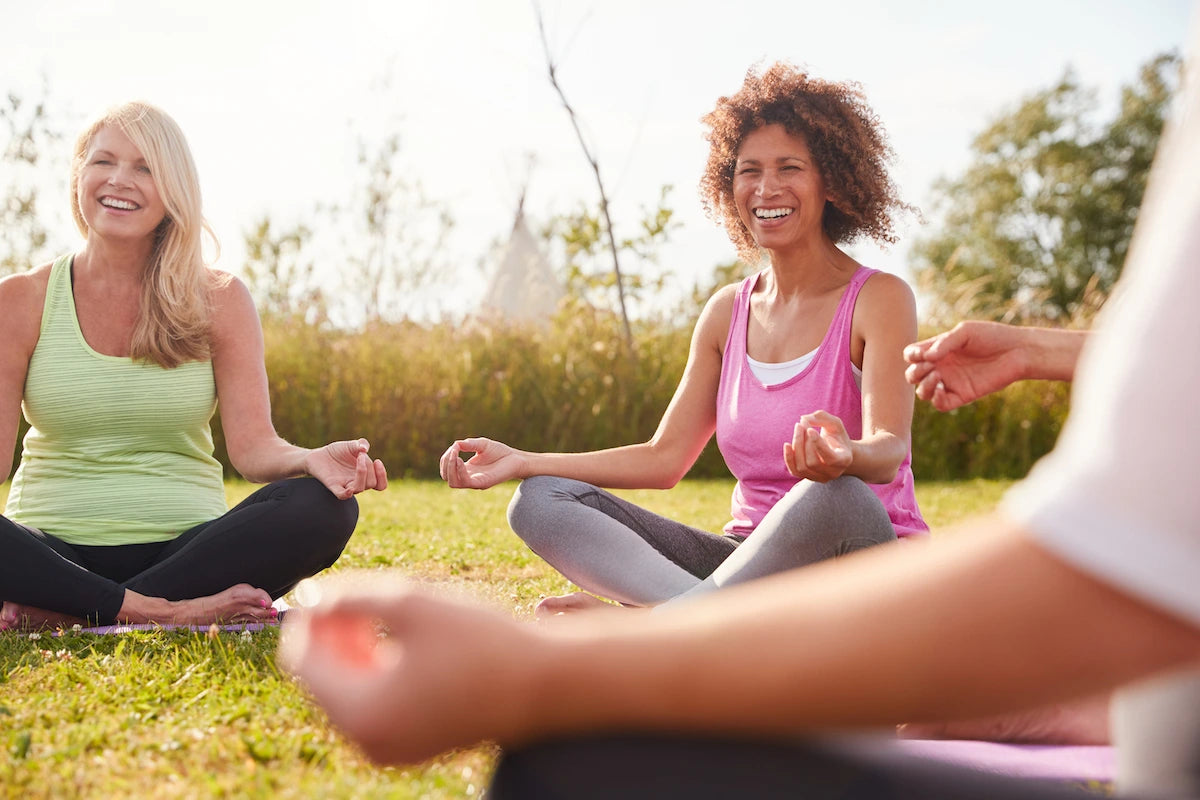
(772, 213)
(113, 202)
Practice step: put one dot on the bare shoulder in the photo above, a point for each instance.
(20, 284)
(886, 288)
(22, 297)
(719, 309)
(886, 300)
(233, 308)
(228, 293)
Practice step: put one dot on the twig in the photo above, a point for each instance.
(591, 159)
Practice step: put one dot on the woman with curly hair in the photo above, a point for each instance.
(119, 354)
(798, 370)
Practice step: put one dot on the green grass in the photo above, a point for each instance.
(177, 714)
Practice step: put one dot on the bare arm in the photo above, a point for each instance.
(896, 635)
(976, 358)
(21, 300)
(254, 447)
(888, 635)
(659, 463)
(885, 319)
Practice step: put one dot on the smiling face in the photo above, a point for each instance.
(116, 192)
(778, 190)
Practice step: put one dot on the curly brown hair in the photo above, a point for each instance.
(843, 134)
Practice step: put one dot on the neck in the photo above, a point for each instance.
(121, 260)
(814, 266)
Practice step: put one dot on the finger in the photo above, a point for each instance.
(824, 420)
(913, 373)
(444, 461)
(472, 445)
(817, 419)
(362, 469)
(833, 451)
(456, 472)
(381, 480)
(814, 445)
(945, 343)
(789, 459)
(799, 462)
(916, 352)
(927, 386)
(943, 399)
(822, 447)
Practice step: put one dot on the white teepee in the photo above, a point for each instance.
(523, 288)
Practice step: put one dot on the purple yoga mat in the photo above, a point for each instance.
(1044, 761)
(280, 605)
(108, 629)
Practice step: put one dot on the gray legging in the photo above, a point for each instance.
(618, 550)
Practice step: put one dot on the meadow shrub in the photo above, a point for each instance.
(998, 436)
(568, 385)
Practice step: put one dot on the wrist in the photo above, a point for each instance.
(525, 464)
(304, 460)
(1051, 354)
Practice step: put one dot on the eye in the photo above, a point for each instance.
(747, 170)
(143, 169)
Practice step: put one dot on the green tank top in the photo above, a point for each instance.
(119, 451)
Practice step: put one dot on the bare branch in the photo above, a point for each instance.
(591, 159)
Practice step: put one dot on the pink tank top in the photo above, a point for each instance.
(754, 420)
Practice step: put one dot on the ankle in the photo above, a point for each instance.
(139, 609)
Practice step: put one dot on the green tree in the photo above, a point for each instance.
(399, 237)
(1037, 228)
(30, 150)
(582, 241)
(279, 273)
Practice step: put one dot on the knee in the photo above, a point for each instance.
(530, 512)
(840, 492)
(845, 507)
(320, 512)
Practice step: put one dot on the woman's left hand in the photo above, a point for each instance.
(820, 449)
(345, 468)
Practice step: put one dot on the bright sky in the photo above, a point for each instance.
(273, 94)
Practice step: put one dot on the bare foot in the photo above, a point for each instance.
(556, 605)
(240, 603)
(14, 616)
(1082, 722)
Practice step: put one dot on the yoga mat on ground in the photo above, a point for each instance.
(1043, 761)
(112, 629)
(279, 605)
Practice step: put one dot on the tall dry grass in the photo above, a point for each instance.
(569, 385)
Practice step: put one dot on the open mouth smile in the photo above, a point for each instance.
(117, 203)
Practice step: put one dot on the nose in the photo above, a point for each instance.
(768, 183)
(121, 176)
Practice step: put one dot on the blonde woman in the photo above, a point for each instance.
(118, 355)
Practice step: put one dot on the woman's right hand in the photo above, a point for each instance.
(492, 462)
(965, 363)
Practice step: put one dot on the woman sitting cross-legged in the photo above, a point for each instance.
(797, 369)
(119, 354)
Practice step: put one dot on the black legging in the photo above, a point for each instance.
(637, 766)
(272, 540)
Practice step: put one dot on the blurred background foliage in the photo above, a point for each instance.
(1034, 231)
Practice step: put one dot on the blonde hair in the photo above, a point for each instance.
(176, 316)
